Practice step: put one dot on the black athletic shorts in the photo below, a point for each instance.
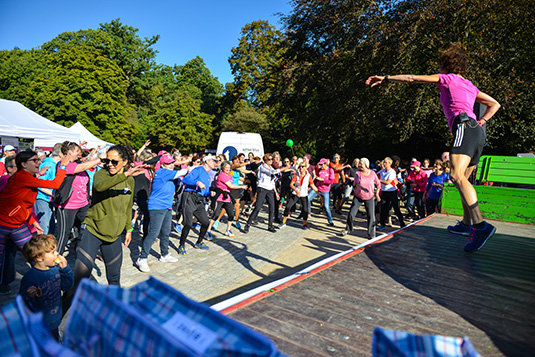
(236, 193)
(468, 139)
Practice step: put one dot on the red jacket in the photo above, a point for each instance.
(18, 198)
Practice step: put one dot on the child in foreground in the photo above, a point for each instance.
(42, 285)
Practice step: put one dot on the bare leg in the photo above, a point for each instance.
(460, 171)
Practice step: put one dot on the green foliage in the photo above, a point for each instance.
(195, 73)
(335, 46)
(178, 122)
(254, 61)
(247, 119)
(17, 70)
(79, 84)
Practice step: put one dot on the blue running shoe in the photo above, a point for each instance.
(178, 228)
(478, 238)
(230, 234)
(381, 227)
(182, 250)
(215, 225)
(196, 225)
(238, 225)
(460, 228)
(209, 236)
(202, 246)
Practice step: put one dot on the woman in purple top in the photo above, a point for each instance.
(457, 97)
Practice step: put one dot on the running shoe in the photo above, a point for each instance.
(202, 246)
(182, 250)
(460, 228)
(196, 225)
(331, 224)
(209, 236)
(142, 265)
(168, 259)
(305, 227)
(343, 233)
(178, 228)
(246, 229)
(238, 225)
(272, 229)
(282, 225)
(230, 234)
(215, 225)
(380, 227)
(478, 237)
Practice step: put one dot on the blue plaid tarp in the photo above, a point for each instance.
(153, 319)
(400, 343)
(24, 334)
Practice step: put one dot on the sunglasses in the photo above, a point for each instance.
(108, 161)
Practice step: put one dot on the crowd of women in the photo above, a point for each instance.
(89, 199)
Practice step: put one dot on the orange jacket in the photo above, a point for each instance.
(18, 198)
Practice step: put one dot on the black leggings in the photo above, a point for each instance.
(193, 206)
(68, 218)
(290, 205)
(112, 254)
(263, 195)
(229, 208)
(390, 200)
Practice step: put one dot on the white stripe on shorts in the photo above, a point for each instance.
(459, 135)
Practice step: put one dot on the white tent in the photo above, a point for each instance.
(85, 135)
(18, 121)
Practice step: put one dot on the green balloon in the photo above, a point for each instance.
(289, 143)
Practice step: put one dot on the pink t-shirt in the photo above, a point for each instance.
(328, 178)
(220, 183)
(369, 182)
(78, 197)
(457, 95)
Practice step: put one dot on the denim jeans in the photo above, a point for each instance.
(326, 198)
(160, 225)
(45, 215)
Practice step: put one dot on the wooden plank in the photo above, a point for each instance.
(420, 281)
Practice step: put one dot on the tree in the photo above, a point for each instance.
(335, 46)
(179, 122)
(17, 71)
(247, 119)
(80, 84)
(121, 44)
(195, 73)
(255, 59)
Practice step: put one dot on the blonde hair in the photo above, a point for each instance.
(39, 245)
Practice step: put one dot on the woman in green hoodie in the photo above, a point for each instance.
(109, 215)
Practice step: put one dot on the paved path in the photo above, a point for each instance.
(232, 265)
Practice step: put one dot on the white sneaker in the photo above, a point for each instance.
(168, 259)
(143, 265)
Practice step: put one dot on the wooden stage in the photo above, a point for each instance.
(420, 281)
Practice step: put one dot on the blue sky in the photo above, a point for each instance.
(187, 28)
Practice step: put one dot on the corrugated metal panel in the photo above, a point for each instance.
(419, 281)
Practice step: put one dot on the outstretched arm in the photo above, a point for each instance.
(403, 78)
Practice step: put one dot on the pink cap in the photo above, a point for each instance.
(166, 159)
(323, 161)
(416, 163)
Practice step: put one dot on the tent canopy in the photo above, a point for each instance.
(85, 135)
(18, 121)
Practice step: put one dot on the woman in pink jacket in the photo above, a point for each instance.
(324, 180)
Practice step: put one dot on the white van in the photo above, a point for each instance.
(232, 143)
